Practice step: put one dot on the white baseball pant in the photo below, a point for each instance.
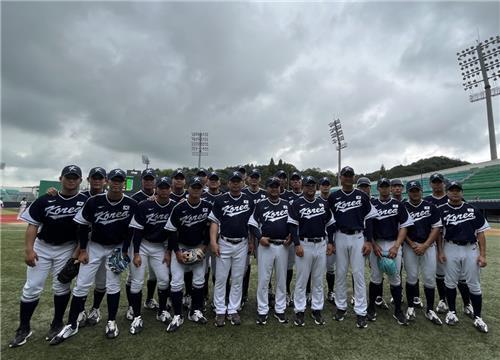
(152, 255)
(426, 264)
(272, 257)
(461, 263)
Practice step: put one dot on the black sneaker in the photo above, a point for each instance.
(299, 319)
(318, 318)
(371, 315)
(401, 318)
(361, 322)
(281, 317)
(340, 315)
(261, 319)
(53, 331)
(22, 335)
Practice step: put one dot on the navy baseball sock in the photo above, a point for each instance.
(451, 297)
(397, 295)
(417, 291)
(76, 307)
(429, 297)
(205, 285)
(162, 299)
(372, 295)
(188, 282)
(477, 304)
(330, 281)
(464, 291)
(98, 296)
(60, 304)
(289, 275)
(26, 312)
(113, 302)
(441, 287)
(127, 291)
(177, 302)
(197, 303)
(246, 281)
(150, 286)
(410, 293)
(135, 300)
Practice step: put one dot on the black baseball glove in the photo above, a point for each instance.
(69, 271)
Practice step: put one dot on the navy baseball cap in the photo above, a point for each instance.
(97, 171)
(436, 177)
(213, 176)
(396, 182)
(148, 173)
(236, 175)
(454, 184)
(363, 181)
(346, 171)
(324, 181)
(295, 175)
(71, 170)
(201, 172)
(414, 184)
(242, 170)
(178, 172)
(310, 180)
(281, 174)
(273, 181)
(195, 181)
(255, 173)
(117, 174)
(383, 182)
(163, 181)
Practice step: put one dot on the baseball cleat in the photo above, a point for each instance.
(318, 318)
(82, 319)
(129, 315)
(94, 317)
(417, 303)
(411, 315)
(451, 318)
(234, 318)
(186, 301)
(281, 317)
(340, 315)
(361, 322)
(299, 319)
(164, 317)
(400, 318)
(431, 315)
(53, 331)
(111, 329)
(65, 333)
(261, 319)
(220, 320)
(136, 326)
(480, 325)
(441, 307)
(197, 317)
(469, 311)
(380, 302)
(331, 297)
(175, 324)
(21, 336)
(151, 304)
(371, 315)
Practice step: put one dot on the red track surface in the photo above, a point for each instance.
(9, 219)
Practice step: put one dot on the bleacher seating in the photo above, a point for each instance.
(483, 184)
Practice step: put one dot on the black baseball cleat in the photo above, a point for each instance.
(261, 319)
(361, 322)
(299, 319)
(22, 334)
(281, 317)
(340, 315)
(318, 318)
(53, 331)
(371, 315)
(400, 318)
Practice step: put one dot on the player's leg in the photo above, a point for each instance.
(411, 265)
(136, 284)
(94, 315)
(375, 287)
(428, 266)
(303, 265)
(196, 312)
(342, 246)
(188, 285)
(265, 262)
(318, 270)
(238, 268)
(280, 270)
(330, 278)
(472, 276)
(246, 281)
(441, 307)
(208, 256)
(453, 269)
(113, 282)
(395, 285)
(162, 275)
(176, 288)
(222, 268)
(289, 275)
(357, 261)
(151, 283)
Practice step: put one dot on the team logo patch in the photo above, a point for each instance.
(427, 207)
(245, 201)
(358, 197)
(395, 206)
(204, 209)
(470, 210)
(79, 203)
(126, 207)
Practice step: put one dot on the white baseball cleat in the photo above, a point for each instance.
(65, 333)
(129, 315)
(111, 329)
(82, 319)
(164, 317)
(469, 311)
(411, 314)
(480, 325)
(431, 315)
(441, 307)
(136, 326)
(451, 318)
(94, 317)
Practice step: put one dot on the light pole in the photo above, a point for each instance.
(479, 64)
(145, 161)
(199, 145)
(337, 136)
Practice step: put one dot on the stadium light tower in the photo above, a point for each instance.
(479, 64)
(145, 161)
(199, 145)
(337, 136)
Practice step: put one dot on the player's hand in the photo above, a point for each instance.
(420, 249)
(167, 258)
(377, 250)
(330, 249)
(181, 257)
(367, 248)
(441, 257)
(137, 260)
(264, 241)
(215, 249)
(299, 251)
(52, 191)
(393, 252)
(31, 258)
(481, 260)
(83, 257)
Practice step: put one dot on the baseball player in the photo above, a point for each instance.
(243, 171)
(438, 198)
(188, 228)
(353, 214)
(269, 226)
(230, 215)
(109, 216)
(296, 185)
(50, 240)
(178, 192)
(464, 252)
(389, 231)
(149, 247)
(324, 192)
(397, 189)
(203, 175)
(419, 250)
(22, 207)
(312, 228)
(281, 174)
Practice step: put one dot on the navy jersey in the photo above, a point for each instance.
(179, 198)
(391, 216)
(88, 194)
(191, 224)
(109, 220)
(312, 217)
(208, 196)
(141, 196)
(425, 217)
(255, 196)
(462, 223)
(351, 210)
(437, 201)
(285, 194)
(54, 217)
(151, 217)
(271, 218)
(291, 196)
(232, 214)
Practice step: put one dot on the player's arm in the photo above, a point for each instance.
(481, 240)
(331, 229)
(293, 228)
(214, 227)
(137, 235)
(31, 257)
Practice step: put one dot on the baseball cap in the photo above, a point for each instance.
(273, 181)
(213, 176)
(414, 184)
(324, 181)
(436, 177)
(97, 171)
(178, 172)
(310, 180)
(117, 174)
(347, 170)
(363, 181)
(295, 175)
(255, 173)
(281, 174)
(454, 184)
(242, 170)
(196, 180)
(201, 172)
(383, 182)
(396, 182)
(236, 175)
(148, 173)
(162, 181)
(71, 169)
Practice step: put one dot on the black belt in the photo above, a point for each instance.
(233, 240)
(460, 243)
(350, 231)
(277, 241)
(313, 240)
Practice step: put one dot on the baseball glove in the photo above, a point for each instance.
(117, 262)
(193, 255)
(387, 265)
(69, 271)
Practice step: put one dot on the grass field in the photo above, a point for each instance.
(383, 339)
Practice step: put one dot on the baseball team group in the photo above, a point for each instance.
(187, 233)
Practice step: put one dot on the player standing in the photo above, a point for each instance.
(22, 208)
(324, 192)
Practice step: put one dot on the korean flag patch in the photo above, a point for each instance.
(126, 207)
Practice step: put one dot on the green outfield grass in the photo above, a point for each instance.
(383, 339)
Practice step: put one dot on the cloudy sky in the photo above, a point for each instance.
(102, 83)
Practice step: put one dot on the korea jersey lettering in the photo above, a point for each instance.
(437, 201)
(208, 196)
(180, 197)
(425, 217)
(232, 214)
(271, 218)
(255, 196)
(312, 217)
(462, 223)
(392, 215)
(109, 220)
(54, 217)
(351, 210)
(141, 196)
(151, 218)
